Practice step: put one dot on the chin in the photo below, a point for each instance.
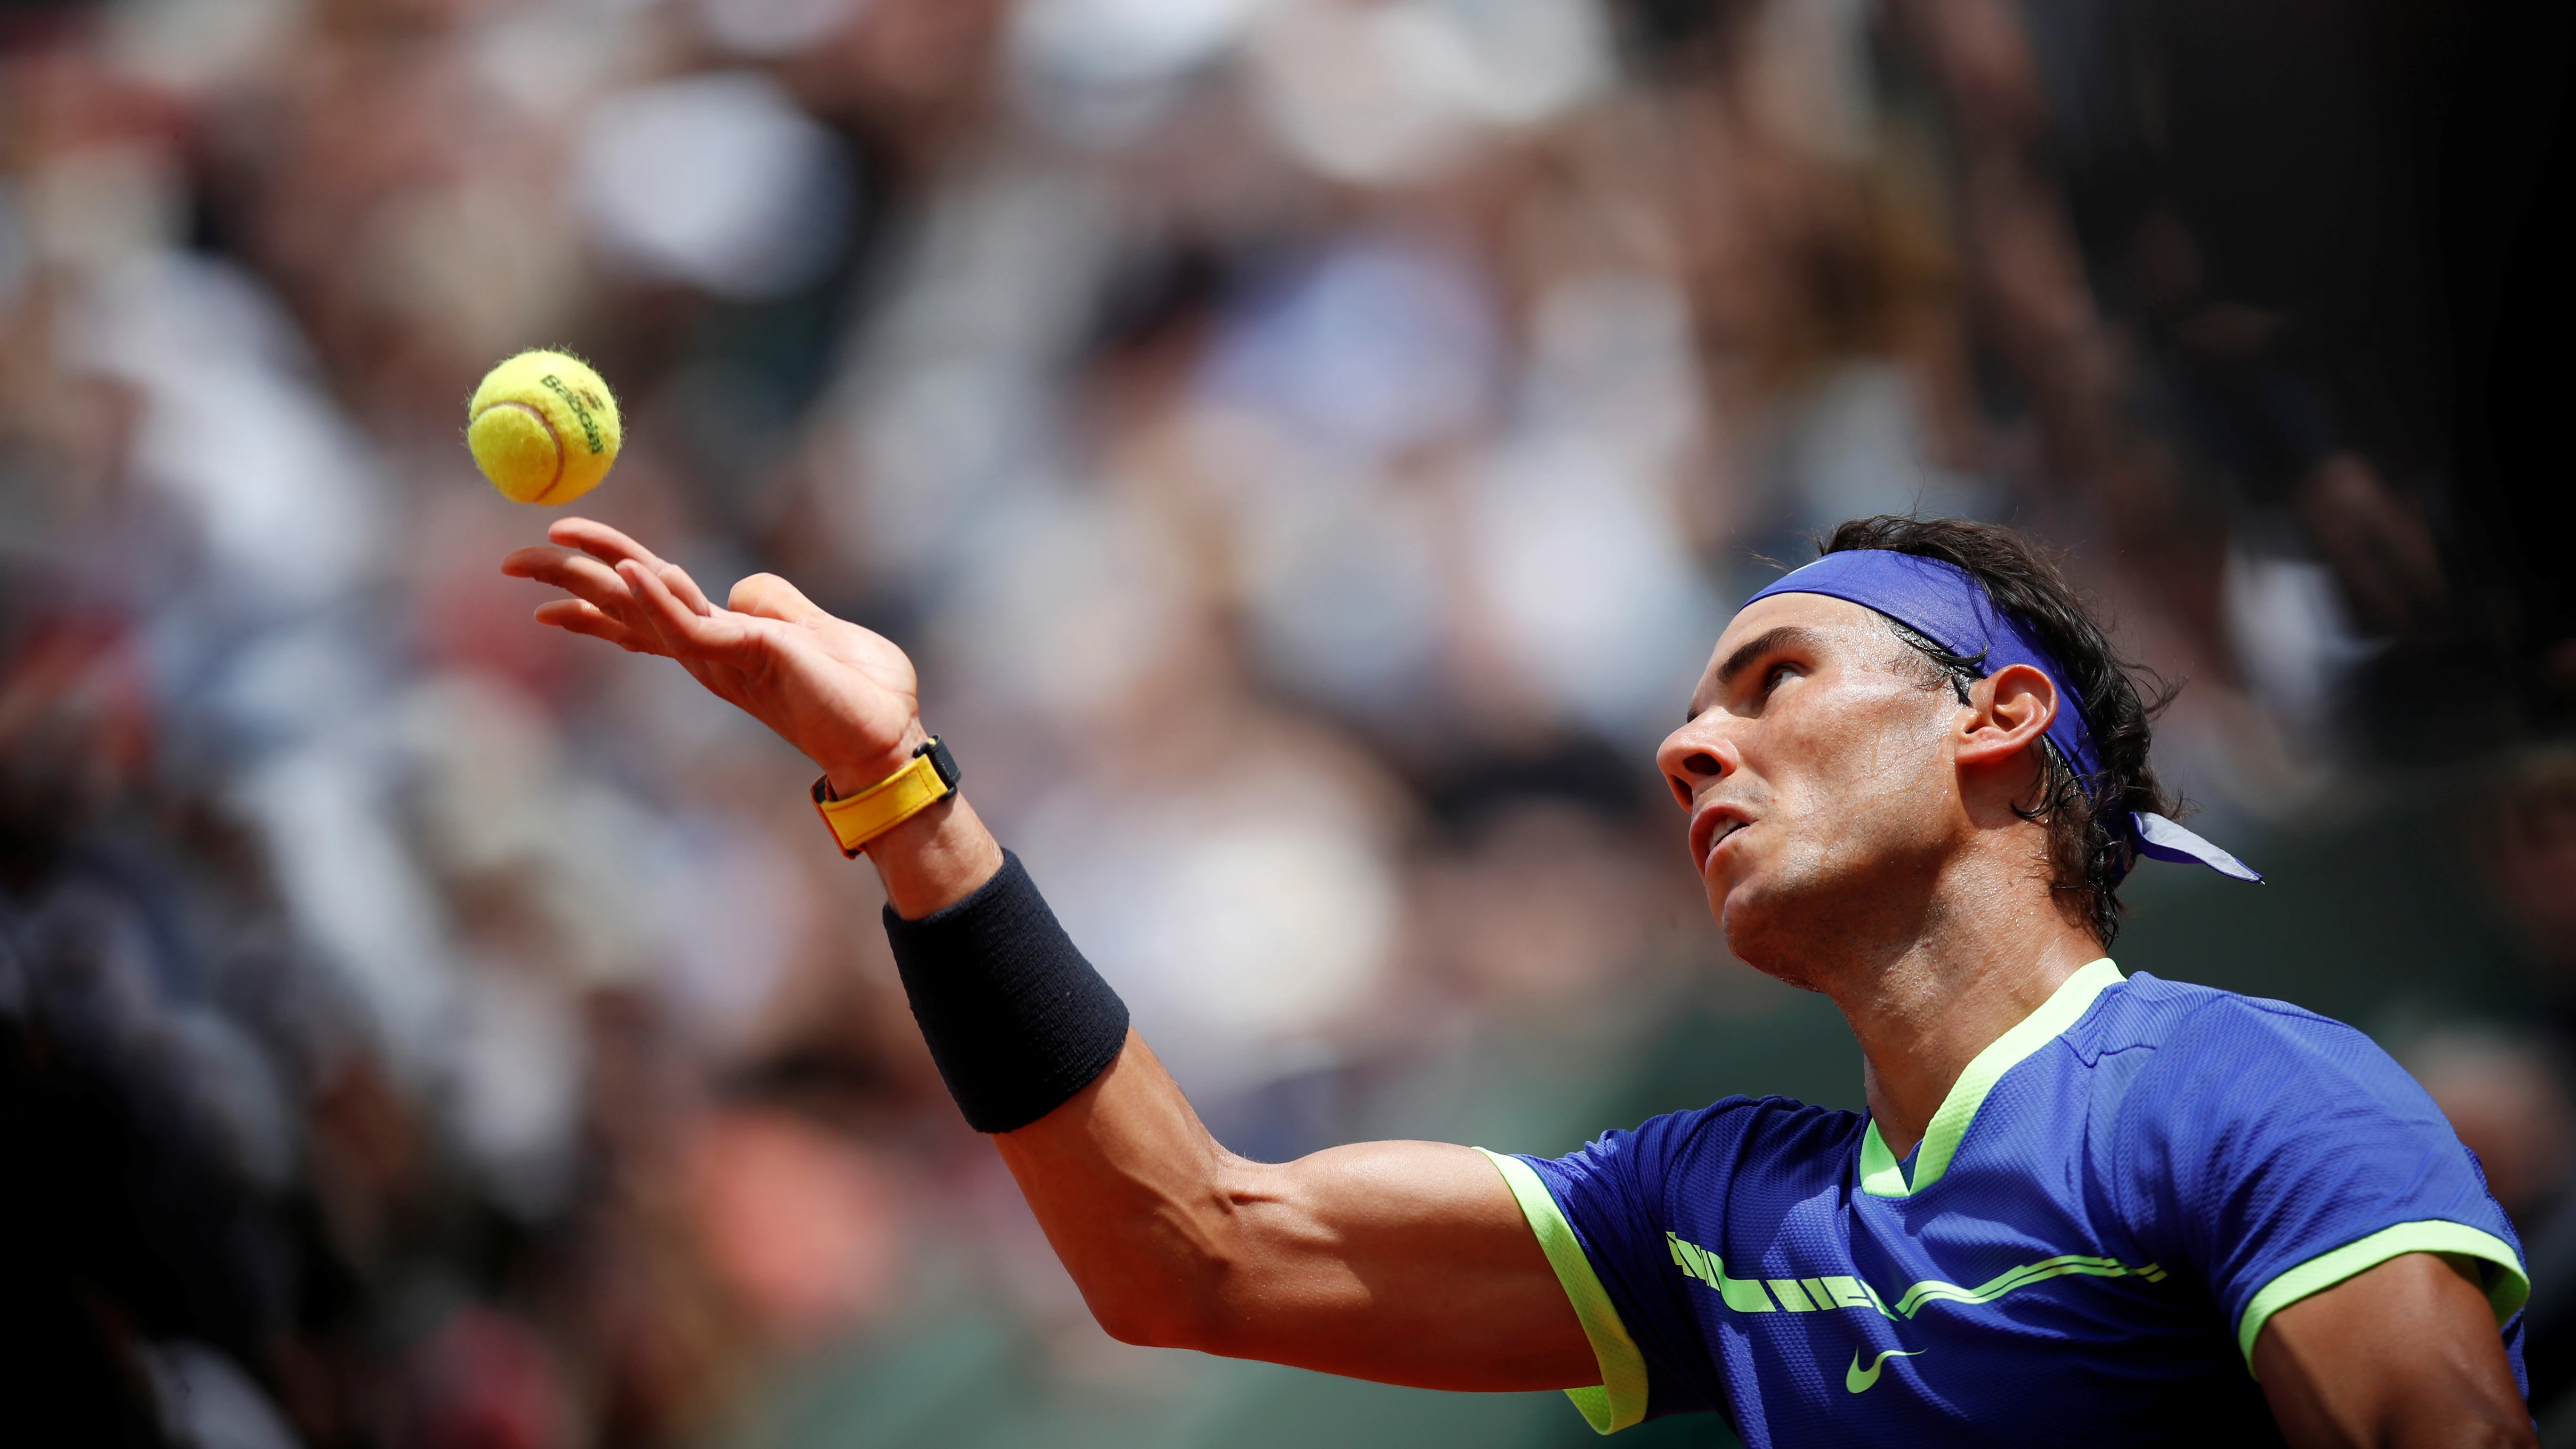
(1763, 933)
(1745, 923)
(1741, 891)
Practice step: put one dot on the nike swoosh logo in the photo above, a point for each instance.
(1858, 1379)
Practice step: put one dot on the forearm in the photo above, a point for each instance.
(1160, 1226)
(1407, 1262)
(1137, 1198)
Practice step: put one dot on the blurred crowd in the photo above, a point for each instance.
(1308, 445)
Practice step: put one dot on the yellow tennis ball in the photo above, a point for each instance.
(543, 428)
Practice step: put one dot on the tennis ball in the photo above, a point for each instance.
(543, 428)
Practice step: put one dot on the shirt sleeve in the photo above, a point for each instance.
(1596, 1214)
(2276, 1154)
(1619, 1400)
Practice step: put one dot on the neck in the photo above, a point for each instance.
(1924, 1006)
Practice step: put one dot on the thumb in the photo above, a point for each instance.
(772, 597)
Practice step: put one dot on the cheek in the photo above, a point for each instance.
(1838, 765)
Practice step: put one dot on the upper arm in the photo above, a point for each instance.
(1404, 1262)
(2405, 1353)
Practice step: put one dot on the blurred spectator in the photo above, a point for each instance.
(1309, 446)
(2532, 852)
(2509, 1101)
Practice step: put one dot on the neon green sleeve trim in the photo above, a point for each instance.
(1619, 1400)
(2506, 1283)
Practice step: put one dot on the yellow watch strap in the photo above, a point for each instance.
(928, 778)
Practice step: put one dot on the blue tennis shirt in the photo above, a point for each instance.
(2109, 1205)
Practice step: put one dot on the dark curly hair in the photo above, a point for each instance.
(2087, 850)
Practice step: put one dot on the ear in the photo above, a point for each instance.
(2008, 712)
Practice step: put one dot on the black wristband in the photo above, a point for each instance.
(1016, 1019)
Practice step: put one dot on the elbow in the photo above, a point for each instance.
(1180, 1277)
(1144, 1328)
(1146, 1318)
(1186, 1299)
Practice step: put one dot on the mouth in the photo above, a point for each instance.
(1712, 827)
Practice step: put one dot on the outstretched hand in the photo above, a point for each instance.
(845, 696)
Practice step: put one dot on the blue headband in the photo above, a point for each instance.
(1945, 604)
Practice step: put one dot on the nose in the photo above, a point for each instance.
(1693, 756)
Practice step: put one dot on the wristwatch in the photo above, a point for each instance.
(928, 778)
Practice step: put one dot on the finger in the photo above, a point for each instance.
(772, 597)
(577, 617)
(611, 547)
(601, 542)
(577, 574)
(548, 564)
(523, 563)
(686, 588)
(683, 630)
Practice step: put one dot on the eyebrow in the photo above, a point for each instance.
(1770, 641)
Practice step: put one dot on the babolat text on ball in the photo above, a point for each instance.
(543, 427)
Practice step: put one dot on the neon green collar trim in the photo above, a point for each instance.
(1881, 1175)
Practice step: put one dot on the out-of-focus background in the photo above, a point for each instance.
(1309, 446)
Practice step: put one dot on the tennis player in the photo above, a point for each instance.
(2082, 1207)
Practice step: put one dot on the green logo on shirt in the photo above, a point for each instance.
(1832, 1291)
(1858, 1379)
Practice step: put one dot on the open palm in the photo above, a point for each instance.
(844, 695)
